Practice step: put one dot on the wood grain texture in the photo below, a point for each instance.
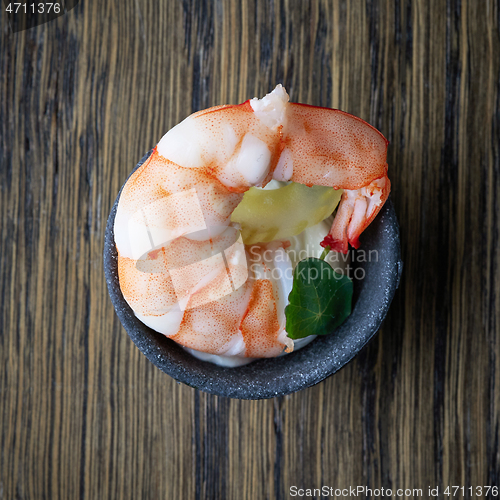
(83, 414)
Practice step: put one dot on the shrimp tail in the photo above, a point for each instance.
(332, 148)
(356, 211)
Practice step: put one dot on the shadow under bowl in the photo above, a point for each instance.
(377, 265)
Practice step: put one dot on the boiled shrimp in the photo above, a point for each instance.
(182, 264)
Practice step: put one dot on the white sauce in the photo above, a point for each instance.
(302, 246)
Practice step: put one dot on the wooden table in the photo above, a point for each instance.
(84, 414)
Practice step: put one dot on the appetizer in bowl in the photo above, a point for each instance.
(220, 238)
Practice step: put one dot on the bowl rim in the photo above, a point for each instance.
(271, 377)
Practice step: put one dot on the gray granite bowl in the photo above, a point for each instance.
(267, 378)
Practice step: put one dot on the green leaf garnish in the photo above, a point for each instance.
(320, 299)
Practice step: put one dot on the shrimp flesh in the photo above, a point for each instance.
(182, 264)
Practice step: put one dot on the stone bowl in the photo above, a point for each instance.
(267, 378)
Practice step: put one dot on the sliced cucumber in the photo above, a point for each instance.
(267, 215)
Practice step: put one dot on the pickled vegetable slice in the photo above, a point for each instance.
(267, 215)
